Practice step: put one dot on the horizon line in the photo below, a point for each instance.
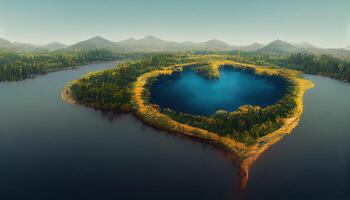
(177, 41)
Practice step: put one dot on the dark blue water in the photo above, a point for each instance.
(53, 150)
(189, 92)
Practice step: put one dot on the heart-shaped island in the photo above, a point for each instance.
(248, 110)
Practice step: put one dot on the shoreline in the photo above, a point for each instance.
(245, 155)
(67, 96)
(73, 67)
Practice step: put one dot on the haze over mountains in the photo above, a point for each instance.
(151, 43)
(19, 46)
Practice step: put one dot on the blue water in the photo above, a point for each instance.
(51, 150)
(189, 92)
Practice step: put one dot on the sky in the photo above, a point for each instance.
(325, 23)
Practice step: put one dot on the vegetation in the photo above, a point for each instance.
(247, 132)
(246, 124)
(18, 66)
(23, 65)
(115, 88)
(324, 65)
(111, 89)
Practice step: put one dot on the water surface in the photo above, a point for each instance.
(57, 151)
(51, 150)
(189, 92)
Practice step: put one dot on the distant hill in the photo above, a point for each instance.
(20, 46)
(339, 53)
(151, 43)
(128, 42)
(148, 43)
(305, 45)
(5, 44)
(214, 44)
(252, 47)
(54, 46)
(93, 43)
(17, 46)
(279, 47)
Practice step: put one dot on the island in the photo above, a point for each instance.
(246, 132)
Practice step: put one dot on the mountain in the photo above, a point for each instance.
(128, 42)
(152, 43)
(54, 46)
(4, 44)
(305, 45)
(279, 47)
(310, 48)
(252, 47)
(93, 43)
(20, 46)
(148, 43)
(214, 44)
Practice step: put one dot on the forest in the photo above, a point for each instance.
(324, 65)
(112, 90)
(246, 124)
(16, 66)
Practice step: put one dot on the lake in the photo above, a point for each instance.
(189, 92)
(53, 150)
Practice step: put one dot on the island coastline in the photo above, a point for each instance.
(246, 154)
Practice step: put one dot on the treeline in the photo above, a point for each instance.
(18, 66)
(323, 65)
(111, 89)
(246, 124)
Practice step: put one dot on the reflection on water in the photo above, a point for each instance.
(53, 150)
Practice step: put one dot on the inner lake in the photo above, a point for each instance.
(190, 92)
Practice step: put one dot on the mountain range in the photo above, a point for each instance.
(19, 46)
(153, 44)
(149, 43)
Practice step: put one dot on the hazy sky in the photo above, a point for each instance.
(324, 23)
